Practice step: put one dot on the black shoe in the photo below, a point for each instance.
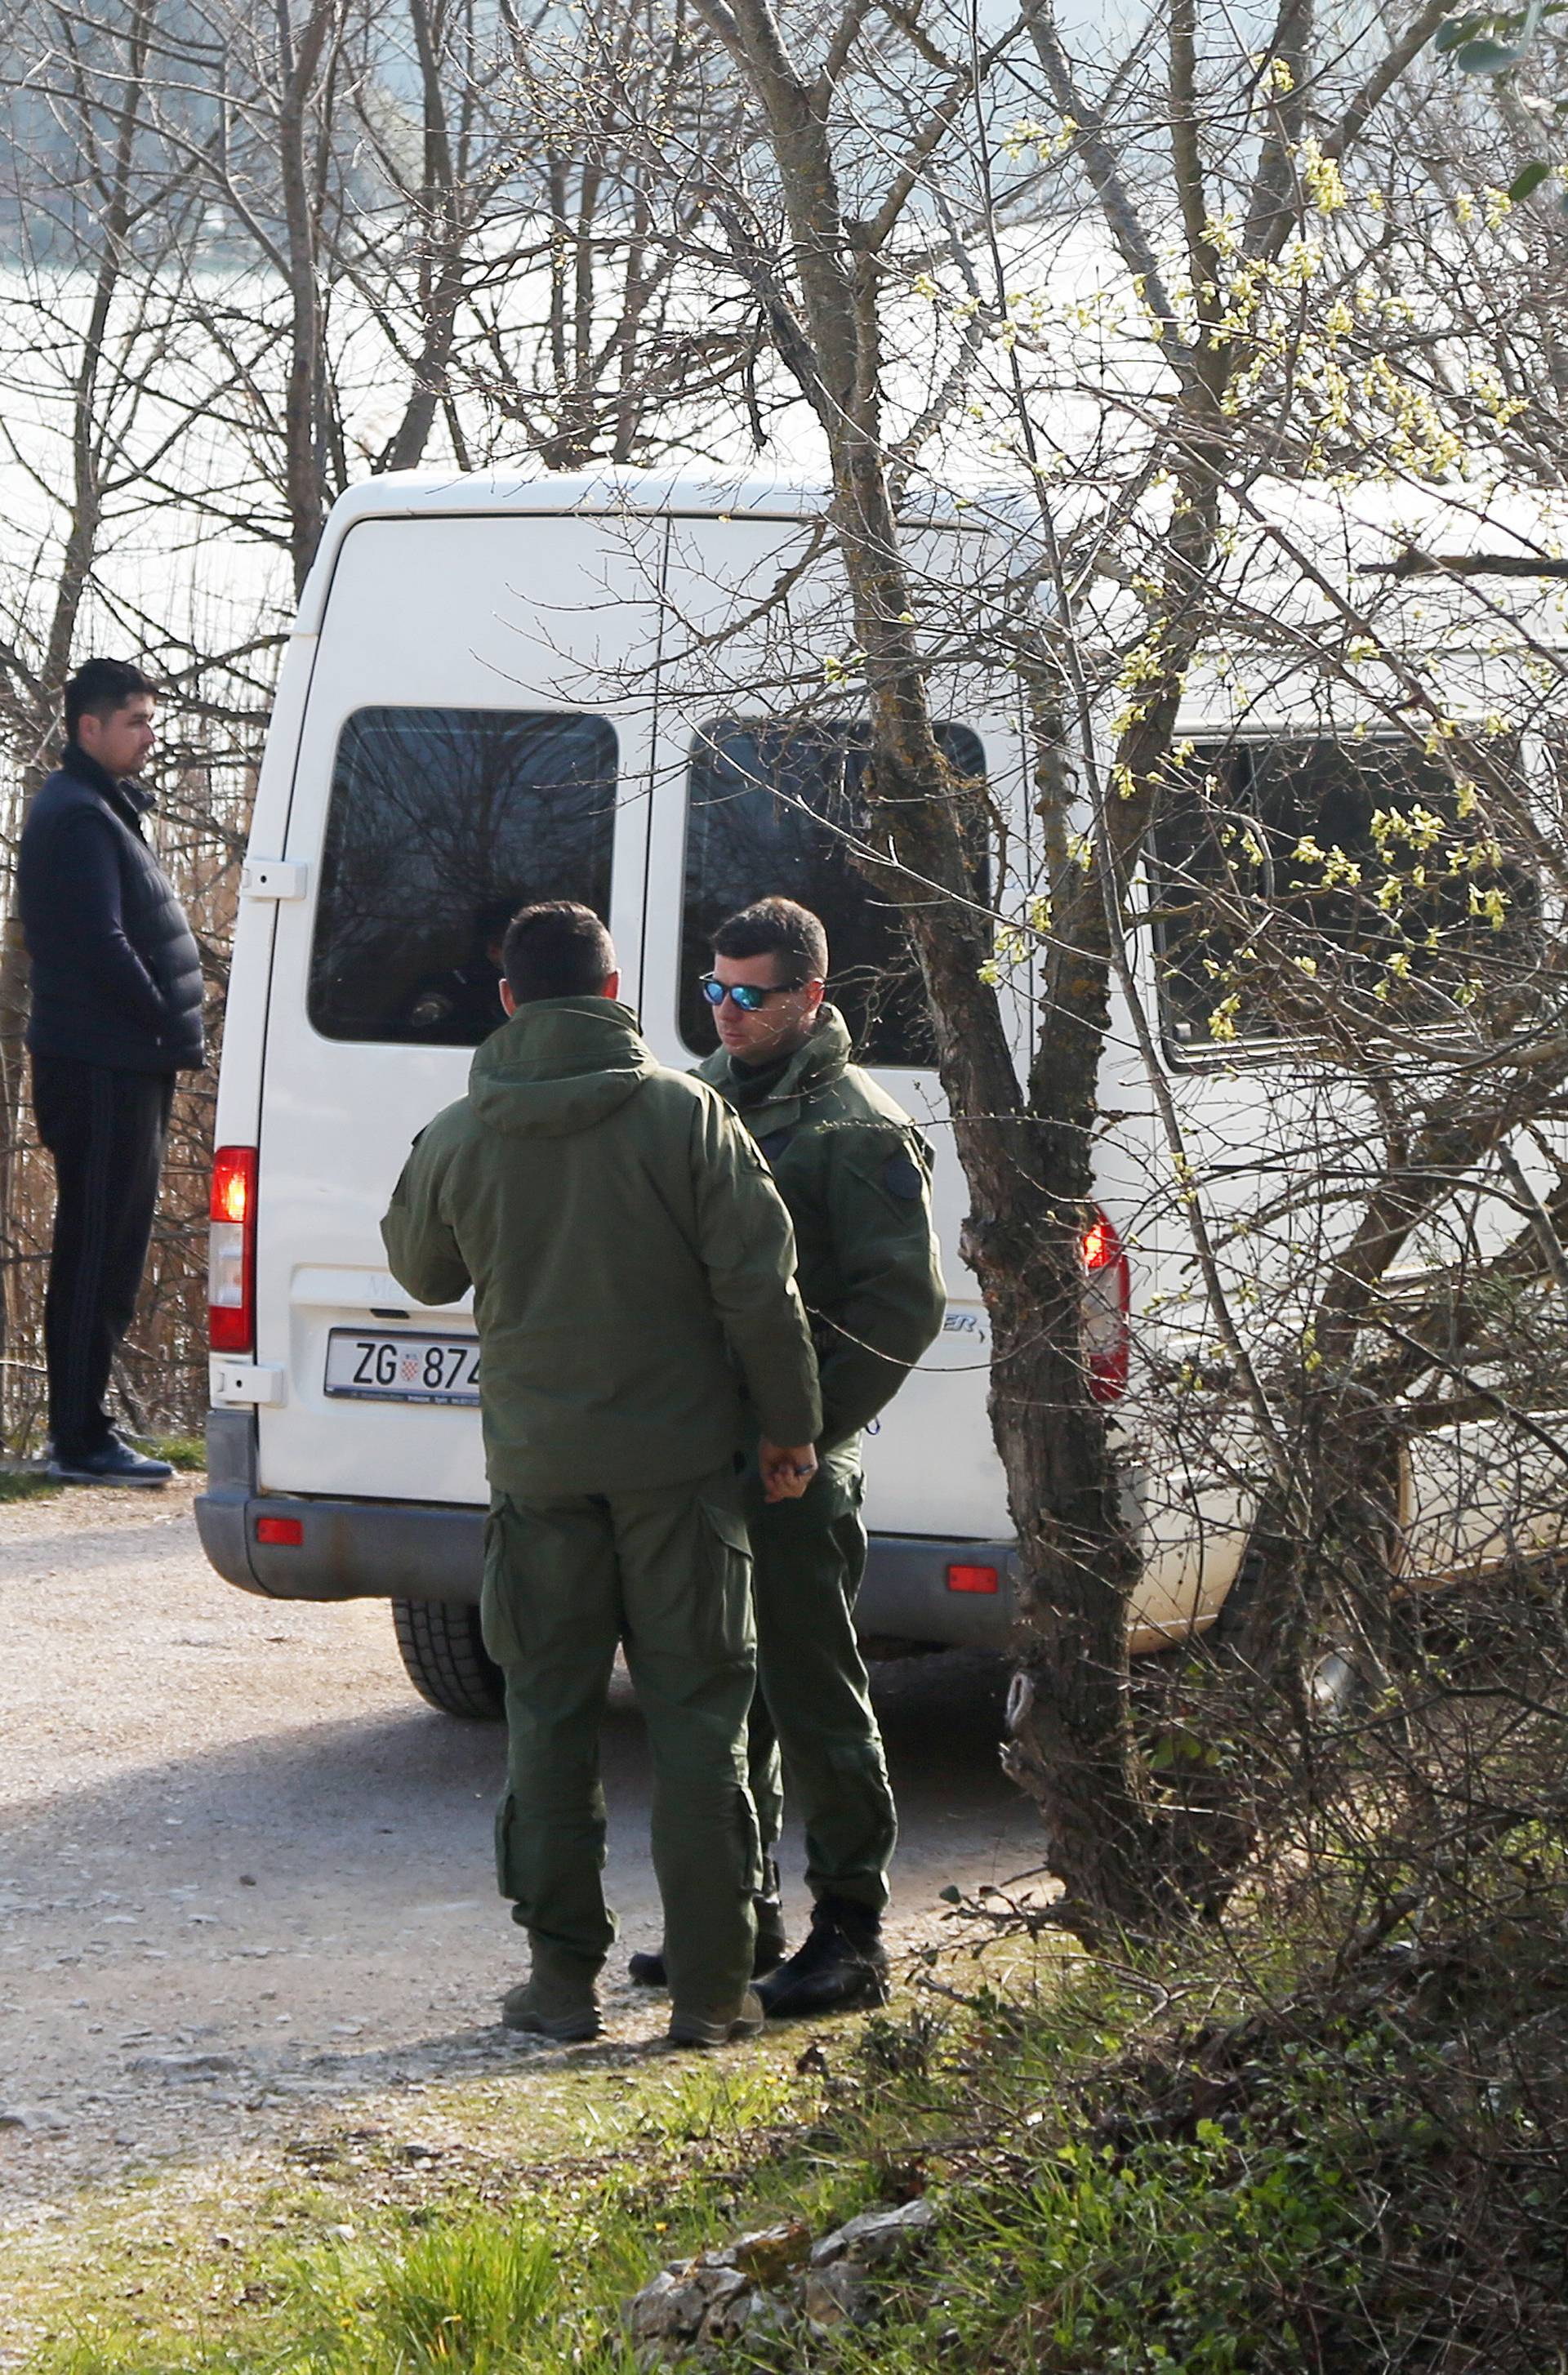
(114, 1463)
(773, 1945)
(841, 1964)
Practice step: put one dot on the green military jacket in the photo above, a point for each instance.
(624, 1240)
(855, 1174)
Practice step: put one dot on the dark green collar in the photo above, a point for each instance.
(815, 1066)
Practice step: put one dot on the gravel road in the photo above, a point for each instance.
(244, 1870)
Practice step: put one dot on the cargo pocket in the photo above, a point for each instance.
(496, 1621)
(510, 1878)
(730, 1630)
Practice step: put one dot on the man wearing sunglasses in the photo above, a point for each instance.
(854, 1171)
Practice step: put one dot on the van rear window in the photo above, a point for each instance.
(443, 822)
(773, 810)
(1283, 870)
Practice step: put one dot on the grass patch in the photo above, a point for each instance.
(186, 1452)
(379, 2255)
(443, 2300)
(26, 1485)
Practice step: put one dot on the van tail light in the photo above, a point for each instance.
(1107, 1296)
(232, 1251)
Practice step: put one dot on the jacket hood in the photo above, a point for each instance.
(817, 1065)
(560, 1065)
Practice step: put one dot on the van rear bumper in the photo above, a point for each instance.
(407, 1550)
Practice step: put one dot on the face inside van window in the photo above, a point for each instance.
(443, 822)
(771, 812)
(1295, 877)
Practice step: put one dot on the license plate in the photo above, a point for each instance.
(375, 1364)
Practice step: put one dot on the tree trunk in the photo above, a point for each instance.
(304, 425)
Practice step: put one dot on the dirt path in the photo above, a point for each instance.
(244, 1870)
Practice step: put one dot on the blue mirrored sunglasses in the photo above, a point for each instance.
(749, 1000)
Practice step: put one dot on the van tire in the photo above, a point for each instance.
(444, 1656)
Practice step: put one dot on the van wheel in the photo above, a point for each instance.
(446, 1659)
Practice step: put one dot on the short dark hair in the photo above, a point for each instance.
(100, 687)
(777, 928)
(556, 950)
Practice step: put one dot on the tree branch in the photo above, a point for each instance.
(1094, 150)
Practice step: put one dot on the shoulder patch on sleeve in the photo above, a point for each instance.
(901, 1176)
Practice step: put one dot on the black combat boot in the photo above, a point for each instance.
(648, 1970)
(841, 1964)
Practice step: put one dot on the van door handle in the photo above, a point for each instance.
(262, 1382)
(272, 878)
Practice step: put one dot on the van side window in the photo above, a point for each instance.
(443, 822)
(1281, 869)
(769, 808)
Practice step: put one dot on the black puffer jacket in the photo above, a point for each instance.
(116, 978)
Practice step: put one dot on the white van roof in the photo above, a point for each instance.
(603, 492)
(611, 493)
(1351, 531)
(419, 493)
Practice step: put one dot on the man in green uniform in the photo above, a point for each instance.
(632, 1265)
(854, 1171)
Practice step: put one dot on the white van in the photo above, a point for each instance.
(497, 690)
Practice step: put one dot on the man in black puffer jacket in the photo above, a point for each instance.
(116, 1013)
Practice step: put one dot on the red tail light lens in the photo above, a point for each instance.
(1107, 1296)
(232, 1251)
(974, 1578)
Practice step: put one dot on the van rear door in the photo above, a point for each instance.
(751, 799)
(474, 739)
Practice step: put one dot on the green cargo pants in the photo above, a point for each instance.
(668, 1572)
(812, 1697)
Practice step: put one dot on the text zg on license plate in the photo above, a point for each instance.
(372, 1364)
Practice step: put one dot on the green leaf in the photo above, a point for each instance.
(950, 1895)
(1487, 56)
(1522, 186)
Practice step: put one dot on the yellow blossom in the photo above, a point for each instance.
(1321, 174)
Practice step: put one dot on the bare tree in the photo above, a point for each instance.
(595, 337)
(88, 297)
(1212, 184)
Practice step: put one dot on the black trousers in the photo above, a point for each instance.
(106, 1130)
